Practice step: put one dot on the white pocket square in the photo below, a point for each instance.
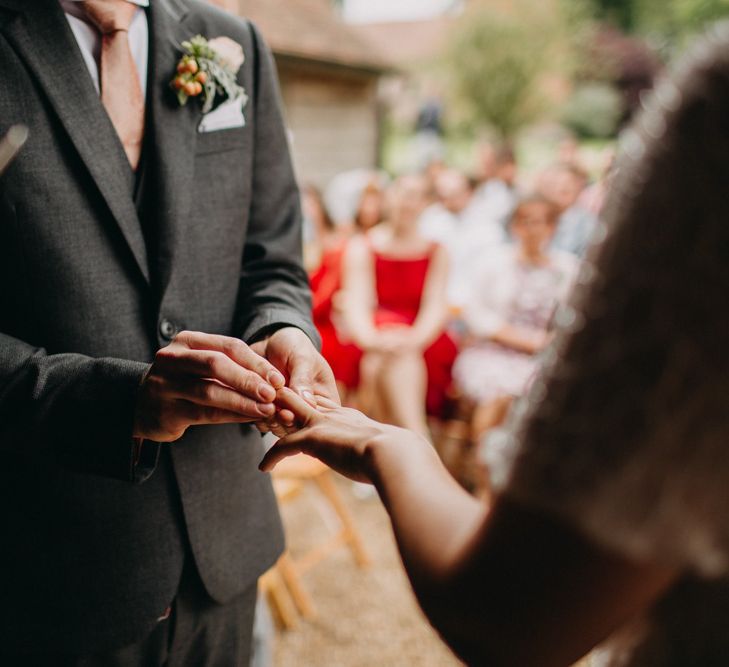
(227, 116)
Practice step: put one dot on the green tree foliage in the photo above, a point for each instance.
(619, 12)
(677, 20)
(494, 62)
(673, 20)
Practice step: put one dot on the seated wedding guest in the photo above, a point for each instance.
(395, 311)
(321, 234)
(370, 208)
(576, 224)
(487, 151)
(609, 525)
(323, 256)
(326, 283)
(343, 193)
(495, 199)
(513, 298)
(443, 219)
(453, 222)
(431, 173)
(487, 217)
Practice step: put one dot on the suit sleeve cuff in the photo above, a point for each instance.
(265, 324)
(145, 457)
(99, 430)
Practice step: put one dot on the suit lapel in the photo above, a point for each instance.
(174, 133)
(43, 39)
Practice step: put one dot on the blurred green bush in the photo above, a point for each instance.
(594, 111)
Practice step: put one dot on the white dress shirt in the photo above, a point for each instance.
(89, 39)
(494, 202)
(438, 224)
(467, 238)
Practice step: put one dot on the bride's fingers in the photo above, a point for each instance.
(280, 431)
(327, 403)
(289, 401)
(286, 417)
(284, 448)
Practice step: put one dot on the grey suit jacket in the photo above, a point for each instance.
(89, 558)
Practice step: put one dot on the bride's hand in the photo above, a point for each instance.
(342, 438)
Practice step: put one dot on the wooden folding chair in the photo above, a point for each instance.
(282, 583)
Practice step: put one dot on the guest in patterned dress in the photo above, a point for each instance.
(514, 296)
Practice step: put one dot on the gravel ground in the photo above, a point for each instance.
(365, 617)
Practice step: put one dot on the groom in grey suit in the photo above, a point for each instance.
(152, 301)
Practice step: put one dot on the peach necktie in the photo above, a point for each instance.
(121, 92)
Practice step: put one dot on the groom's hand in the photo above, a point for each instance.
(204, 379)
(307, 373)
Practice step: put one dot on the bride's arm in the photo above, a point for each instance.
(503, 587)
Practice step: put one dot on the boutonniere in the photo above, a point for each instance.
(208, 69)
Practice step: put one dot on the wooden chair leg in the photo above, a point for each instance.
(290, 575)
(490, 415)
(272, 584)
(452, 444)
(352, 537)
(486, 417)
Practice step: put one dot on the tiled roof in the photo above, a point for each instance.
(311, 29)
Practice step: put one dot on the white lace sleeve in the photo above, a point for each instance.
(626, 435)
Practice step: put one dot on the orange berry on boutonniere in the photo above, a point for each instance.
(209, 70)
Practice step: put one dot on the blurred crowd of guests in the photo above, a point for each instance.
(437, 287)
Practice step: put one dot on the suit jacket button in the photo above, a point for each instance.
(167, 329)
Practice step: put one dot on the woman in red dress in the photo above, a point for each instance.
(323, 259)
(395, 310)
(324, 256)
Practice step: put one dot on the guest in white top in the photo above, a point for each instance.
(441, 221)
(487, 219)
(454, 223)
(495, 199)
